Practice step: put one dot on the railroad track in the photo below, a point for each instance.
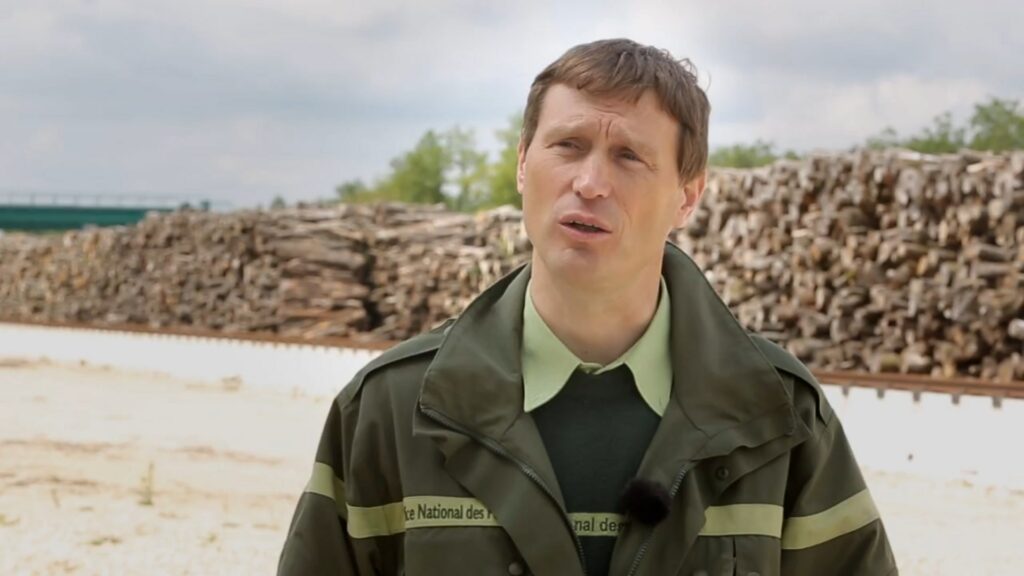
(917, 384)
(955, 387)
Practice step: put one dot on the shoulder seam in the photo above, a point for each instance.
(783, 361)
(432, 341)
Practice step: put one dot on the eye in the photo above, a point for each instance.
(629, 155)
(567, 144)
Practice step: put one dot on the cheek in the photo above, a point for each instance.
(545, 185)
(551, 172)
(653, 220)
(536, 207)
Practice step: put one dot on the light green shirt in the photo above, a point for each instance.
(548, 363)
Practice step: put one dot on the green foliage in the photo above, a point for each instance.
(418, 176)
(353, 192)
(887, 138)
(467, 171)
(446, 168)
(939, 138)
(760, 153)
(501, 174)
(996, 125)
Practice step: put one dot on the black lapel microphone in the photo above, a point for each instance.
(645, 501)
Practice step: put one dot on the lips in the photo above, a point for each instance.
(584, 223)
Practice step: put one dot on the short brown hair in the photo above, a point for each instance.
(623, 68)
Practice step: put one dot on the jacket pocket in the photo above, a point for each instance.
(472, 550)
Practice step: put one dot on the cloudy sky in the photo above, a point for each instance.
(240, 101)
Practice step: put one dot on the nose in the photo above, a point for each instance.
(592, 180)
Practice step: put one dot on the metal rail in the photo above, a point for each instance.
(107, 200)
(916, 383)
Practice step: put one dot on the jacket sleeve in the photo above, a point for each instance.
(318, 541)
(832, 525)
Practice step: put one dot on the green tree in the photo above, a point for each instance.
(278, 203)
(466, 171)
(446, 167)
(759, 153)
(501, 173)
(997, 125)
(887, 138)
(418, 176)
(353, 191)
(942, 137)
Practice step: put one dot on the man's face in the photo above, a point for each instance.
(601, 187)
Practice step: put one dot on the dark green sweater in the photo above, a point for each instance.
(596, 430)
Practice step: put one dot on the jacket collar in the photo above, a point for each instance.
(720, 383)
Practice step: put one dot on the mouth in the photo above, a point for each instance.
(584, 225)
(585, 228)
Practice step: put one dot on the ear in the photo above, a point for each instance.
(690, 196)
(521, 166)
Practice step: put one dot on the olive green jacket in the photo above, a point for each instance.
(428, 464)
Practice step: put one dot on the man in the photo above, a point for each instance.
(598, 411)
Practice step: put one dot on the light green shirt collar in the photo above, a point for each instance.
(548, 363)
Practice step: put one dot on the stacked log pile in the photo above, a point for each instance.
(371, 273)
(430, 263)
(295, 273)
(883, 261)
(314, 263)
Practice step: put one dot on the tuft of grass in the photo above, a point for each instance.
(104, 540)
(146, 491)
(231, 383)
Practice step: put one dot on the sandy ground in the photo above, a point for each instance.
(112, 472)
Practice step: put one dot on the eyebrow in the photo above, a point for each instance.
(623, 135)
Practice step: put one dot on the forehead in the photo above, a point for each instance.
(567, 108)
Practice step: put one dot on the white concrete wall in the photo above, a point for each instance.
(972, 441)
(318, 370)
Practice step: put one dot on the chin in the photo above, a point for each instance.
(573, 263)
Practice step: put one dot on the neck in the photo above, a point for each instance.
(598, 323)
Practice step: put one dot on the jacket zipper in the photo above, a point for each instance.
(672, 496)
(523, 466)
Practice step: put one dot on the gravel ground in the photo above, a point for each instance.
(105, 471)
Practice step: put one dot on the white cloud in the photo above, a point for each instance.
(804, 114)
(253, 98)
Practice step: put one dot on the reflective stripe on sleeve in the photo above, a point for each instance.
(325, 483)
(743, 519)
(855, 512)
(370, 521)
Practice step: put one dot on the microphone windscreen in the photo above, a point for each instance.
(645, 501)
